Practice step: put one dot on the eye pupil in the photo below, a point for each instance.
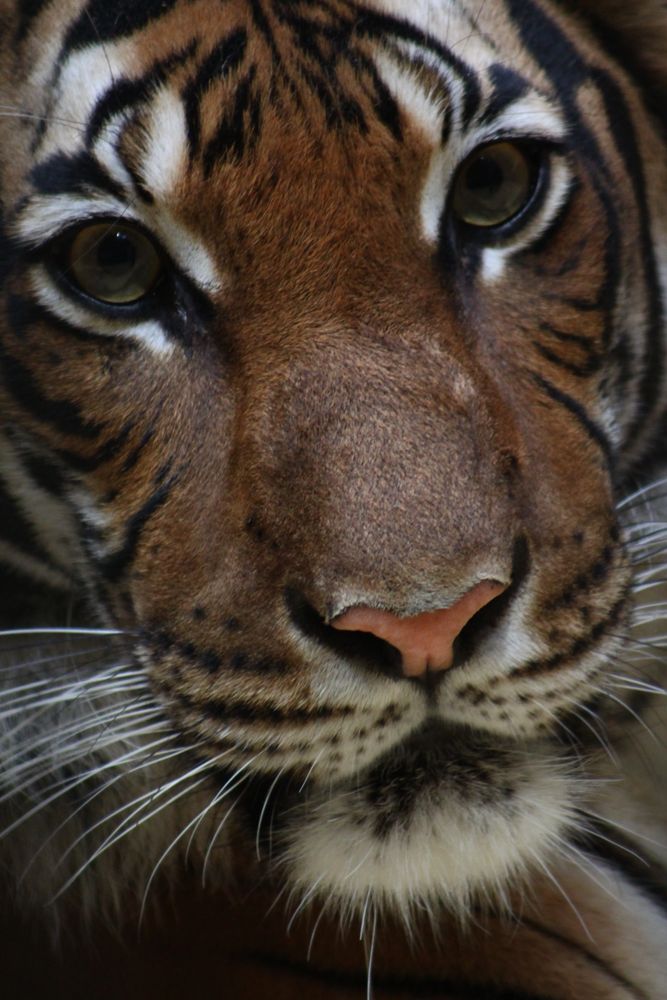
(484, 177)
(116, 253)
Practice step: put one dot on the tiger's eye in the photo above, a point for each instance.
(113, 263)
(493, 185)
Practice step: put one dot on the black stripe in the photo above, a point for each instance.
(551, 48)
(105, 452)
(44, 473)
(136, 453)
(7, 251)
(229, 140)
(262, 24)
(508, 87)
(624, 135)
(593, 430)
(29, 11)
(128, 93)
(619, 852)
(63, 174)
(628, 55)
(322, 44)
(338, 108)
(384, 106)
(62, 414)
(115, 565)
(247, 711)
(19, 532)
(381, 26)
(589, 956)
(562, 63)
(414, 987)
(612, 258)
(585, 343)
(592, 364)
(108, 20)
(23, 313)
(576, 649)
(226, 57)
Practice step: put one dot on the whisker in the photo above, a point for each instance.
(61, 631)
(585, 864)
(227, 787)
(631, 712)
(22, 666)
(123, 829)
(369, 958)
(147, 761)
(559, 888)
(265, 804)
(305, 899)
(589, 813)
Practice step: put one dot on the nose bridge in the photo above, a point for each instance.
(380, 467)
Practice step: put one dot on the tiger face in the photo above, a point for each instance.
(319, 310)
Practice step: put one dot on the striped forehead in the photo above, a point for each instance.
(440, 86)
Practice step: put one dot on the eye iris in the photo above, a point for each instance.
(113, 264)
(493, 185)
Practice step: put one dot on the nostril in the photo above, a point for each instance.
(426, 640)
(374, 653)
(420, 646)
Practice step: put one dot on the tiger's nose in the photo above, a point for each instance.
(425, 641)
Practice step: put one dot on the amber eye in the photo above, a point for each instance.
(113, 263)
(493, 185)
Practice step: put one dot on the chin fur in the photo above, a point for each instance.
(431, 827)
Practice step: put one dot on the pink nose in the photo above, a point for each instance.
(425, 641)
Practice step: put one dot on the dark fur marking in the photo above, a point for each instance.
(589, 367)
(73, 174)
(508, 87)
(115, 565)
(593, 430)
(585, 581)
(243, 711)
(610, 845)
(580, 645)
(62, 414)
(129, 93)
(133, 457)
(23, 313)
(220, 63)
(382, 26)
(229, 141)
(592, 959)
(29, 11)
(107, 451)
(101, 21)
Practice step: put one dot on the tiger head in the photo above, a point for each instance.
(333, 334)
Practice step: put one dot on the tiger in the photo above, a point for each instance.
(333, 491)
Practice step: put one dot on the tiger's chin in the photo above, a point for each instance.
(443, 819)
